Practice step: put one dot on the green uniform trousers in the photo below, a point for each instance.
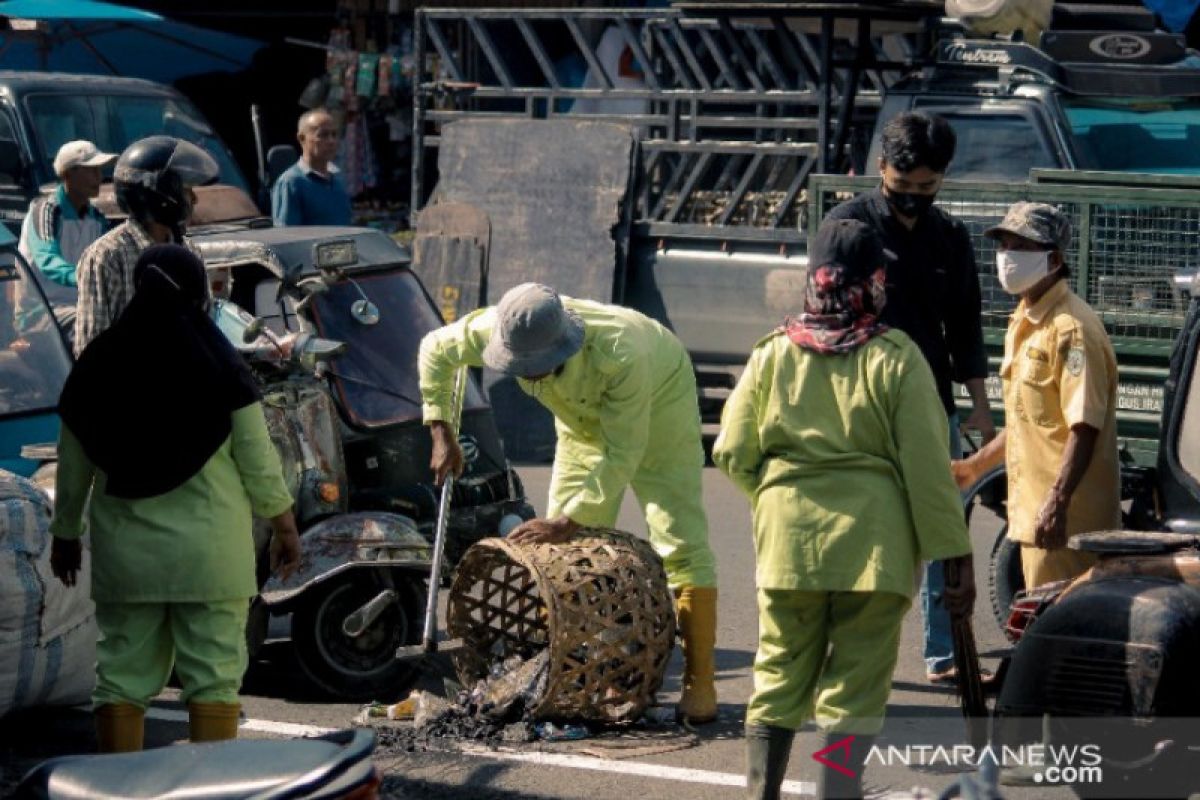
(825, 655)
(668, 489)
(140, 643)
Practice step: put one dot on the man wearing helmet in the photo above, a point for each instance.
(153, 181)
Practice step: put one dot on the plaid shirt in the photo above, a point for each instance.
(105, 276)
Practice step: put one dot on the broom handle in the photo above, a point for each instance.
(966, 662)
(429, 639)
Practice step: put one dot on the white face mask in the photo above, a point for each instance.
(1019, 270)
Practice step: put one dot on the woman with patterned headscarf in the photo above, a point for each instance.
(836, 433)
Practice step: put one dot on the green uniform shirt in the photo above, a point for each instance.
(192, 544)
(845, 459)
(602, 401)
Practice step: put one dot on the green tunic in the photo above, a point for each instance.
(192, 544)
(845, 460)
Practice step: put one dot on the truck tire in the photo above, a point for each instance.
(1005, 577)
(364, 668)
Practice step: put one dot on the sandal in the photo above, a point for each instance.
(949, 677)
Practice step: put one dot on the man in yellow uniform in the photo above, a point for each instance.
(1060, 402)
(623, 394)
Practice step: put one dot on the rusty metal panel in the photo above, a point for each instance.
(556, 192)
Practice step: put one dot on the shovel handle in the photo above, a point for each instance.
(429, 638)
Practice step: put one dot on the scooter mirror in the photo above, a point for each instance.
(253, 331)
(313, 350)
(365, 312)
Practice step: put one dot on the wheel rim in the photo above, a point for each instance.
(366, 656)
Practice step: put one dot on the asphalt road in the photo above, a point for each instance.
(669, 764)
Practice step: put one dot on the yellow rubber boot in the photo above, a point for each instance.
(696, 610)
(120, 727)
(213, 722)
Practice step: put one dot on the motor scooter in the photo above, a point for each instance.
(336, 766)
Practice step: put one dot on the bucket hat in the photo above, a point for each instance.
(534, 332)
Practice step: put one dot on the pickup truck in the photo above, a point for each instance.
(741, 104)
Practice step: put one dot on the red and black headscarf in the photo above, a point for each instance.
(845, 291)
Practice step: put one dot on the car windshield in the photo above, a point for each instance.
(996, 147)
(376, 378)
(33, 357)
(115, 121)
(1160, 135)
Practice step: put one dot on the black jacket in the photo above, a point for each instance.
(932, 288)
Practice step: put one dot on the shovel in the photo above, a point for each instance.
(426, 652)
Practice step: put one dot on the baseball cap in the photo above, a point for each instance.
(81, 153)
(1037, 222)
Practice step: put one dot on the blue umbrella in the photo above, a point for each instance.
(102, 38)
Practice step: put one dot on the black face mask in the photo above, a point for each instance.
(909, 204)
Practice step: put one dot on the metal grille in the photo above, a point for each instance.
(1127, 244)
(1136, 251)
(734, 112)
(1093, 686)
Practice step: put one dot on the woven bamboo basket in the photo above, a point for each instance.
(599, 603)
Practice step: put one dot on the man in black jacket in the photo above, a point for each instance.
(933, 296)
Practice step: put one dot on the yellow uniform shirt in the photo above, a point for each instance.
(1059, 370)
(846, 461)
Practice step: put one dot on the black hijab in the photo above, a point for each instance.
(151, 398)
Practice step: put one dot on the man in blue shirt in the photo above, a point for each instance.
(311, 191)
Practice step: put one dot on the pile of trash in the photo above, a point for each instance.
(496, 710)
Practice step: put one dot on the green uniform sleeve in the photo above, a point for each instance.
(443, 352)
(72, 486)
(923, 447)
(258, 463)
(738, 450)
(624, 432)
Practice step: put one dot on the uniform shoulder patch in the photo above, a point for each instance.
(1075, 360)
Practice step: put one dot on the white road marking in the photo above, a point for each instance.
(661, 771)
(256, 725)
(564, 760)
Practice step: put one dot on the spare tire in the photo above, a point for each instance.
(1005, 576)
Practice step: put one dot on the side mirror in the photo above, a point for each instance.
(253, 331)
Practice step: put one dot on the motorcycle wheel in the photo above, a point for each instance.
(1005, 577)
(364, 668)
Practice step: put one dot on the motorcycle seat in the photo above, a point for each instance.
(232, 770)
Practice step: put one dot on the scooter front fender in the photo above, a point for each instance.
(367, 539)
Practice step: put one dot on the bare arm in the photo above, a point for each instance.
(980, 418)
(1050, 530)
(968, 471)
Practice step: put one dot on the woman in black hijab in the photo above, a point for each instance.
(163, 428)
